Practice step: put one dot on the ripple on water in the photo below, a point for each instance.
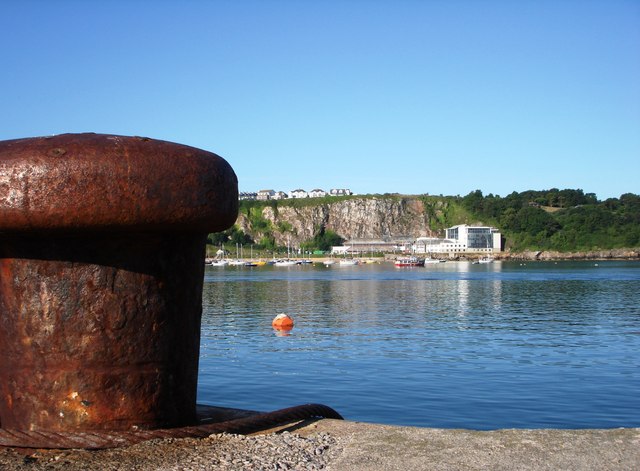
(541, 345)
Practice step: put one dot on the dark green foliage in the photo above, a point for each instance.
(284, 227)
(258, 223)
(564, 220)
(323, 240)
(218, 238)
(267, 242)
(531, 220)
(232, 235)
(559, 198)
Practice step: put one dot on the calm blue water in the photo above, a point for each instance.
(452, 345)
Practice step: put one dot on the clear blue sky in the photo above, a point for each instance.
(407, 96)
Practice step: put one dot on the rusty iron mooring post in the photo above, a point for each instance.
(101, 267)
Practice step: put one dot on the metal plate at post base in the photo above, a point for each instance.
(112, 439)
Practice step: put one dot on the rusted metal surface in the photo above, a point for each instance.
(103, 182)
(101, 266)
(99, 333)
(113, 439)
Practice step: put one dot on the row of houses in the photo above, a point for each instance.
(264, 195)
(459, 240)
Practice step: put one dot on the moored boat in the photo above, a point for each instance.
(432, 261)
(483, 260)
(285, 263)
(219, 263)
(348, 262)
(409, 262)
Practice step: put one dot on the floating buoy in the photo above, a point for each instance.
(282, 322)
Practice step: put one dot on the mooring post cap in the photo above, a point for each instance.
(94, 182)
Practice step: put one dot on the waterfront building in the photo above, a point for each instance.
(462, 239)
(340, 249)
(430, 245)
(299, 193)
(280, 195)
(384, 245)
(476, 238)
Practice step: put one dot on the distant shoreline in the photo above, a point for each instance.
(612, 254)
(532, 255)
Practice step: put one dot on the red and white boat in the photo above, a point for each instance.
(409, 262)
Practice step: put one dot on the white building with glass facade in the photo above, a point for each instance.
(462, 239)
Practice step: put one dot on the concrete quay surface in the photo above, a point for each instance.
(381, 447)
(336, 445)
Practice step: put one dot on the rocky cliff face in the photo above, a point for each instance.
(358, 218)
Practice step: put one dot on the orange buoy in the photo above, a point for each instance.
(282, 322)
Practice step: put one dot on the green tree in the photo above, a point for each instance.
(324, 239)
(234, 234)
(474, 201)
(218, 238)
(268, 242)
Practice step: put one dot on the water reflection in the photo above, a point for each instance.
(462, 290)
(451, 345)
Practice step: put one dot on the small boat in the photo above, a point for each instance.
(483, 260)
(432, 261)
(219, 263)
(409, 262)
(329, 262)
(285, 263)
(347, 262)
(219, 260)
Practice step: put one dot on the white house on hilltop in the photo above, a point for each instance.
(340, 192)
(317, 193)
(264, 195)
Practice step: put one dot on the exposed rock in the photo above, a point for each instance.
(358, 218)
(617, 254)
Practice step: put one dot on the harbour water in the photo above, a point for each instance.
(452, 345)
